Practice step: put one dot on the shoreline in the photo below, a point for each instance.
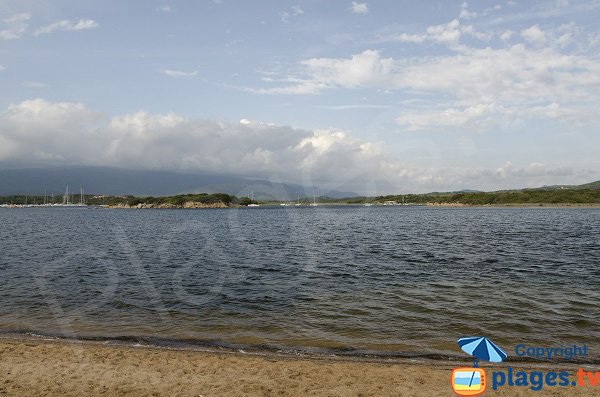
(306, 352)
(272, 206)
(520, 205)
(69, 368)
(249, 351)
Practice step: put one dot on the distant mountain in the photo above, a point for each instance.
(456, 192)
(467, 191)
(117, 181)
(591, 185)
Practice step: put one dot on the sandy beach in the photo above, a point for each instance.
(60, 368)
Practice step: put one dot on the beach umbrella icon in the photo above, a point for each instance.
(481, 348)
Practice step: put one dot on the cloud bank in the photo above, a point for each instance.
(39, 132)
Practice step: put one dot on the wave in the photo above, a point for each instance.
(267, 349)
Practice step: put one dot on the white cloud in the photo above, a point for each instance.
(285, 17)
(509, 175)
(465, 13)
(481, 116)
(445, 33)
(67, 25)
(512, 73)
(42, 132)
(179, 73)
(410, 38)
(448, 34)
(16, 26)
(504, 84)
(294, 12)
(357, 106)
(566, 34)
(470, 30)
(2, 68)
(509, 76)
(472, 116)
(165, 8)
(302, 88)
(297, 10)
(506, 35)
(481, 86)
(534, 35)
(365, 69)
(359, 8)
(594, 40)
(510, 171)
(68, 133)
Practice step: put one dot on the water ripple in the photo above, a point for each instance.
(376, 279)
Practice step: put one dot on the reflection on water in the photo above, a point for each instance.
(366, 278)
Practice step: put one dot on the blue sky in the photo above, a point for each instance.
(375, 96)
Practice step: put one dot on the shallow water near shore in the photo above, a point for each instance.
(378, 280)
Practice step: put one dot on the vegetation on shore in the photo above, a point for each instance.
(517, 197)
(575, 195)
(178, 201)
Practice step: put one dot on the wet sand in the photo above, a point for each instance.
(60, 368)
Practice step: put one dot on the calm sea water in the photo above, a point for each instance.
(353, 279)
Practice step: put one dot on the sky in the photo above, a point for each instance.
(376, 97)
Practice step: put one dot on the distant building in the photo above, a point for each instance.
(391, 202)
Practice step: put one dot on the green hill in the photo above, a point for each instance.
(591, 185)
(585, 186)
(588, 193)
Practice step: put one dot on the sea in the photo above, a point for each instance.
(394, 281)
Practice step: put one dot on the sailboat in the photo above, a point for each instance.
(69, 199)
(66, 197)
(81, 199)
(252, 204)
(298, 204)
(314, 203)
